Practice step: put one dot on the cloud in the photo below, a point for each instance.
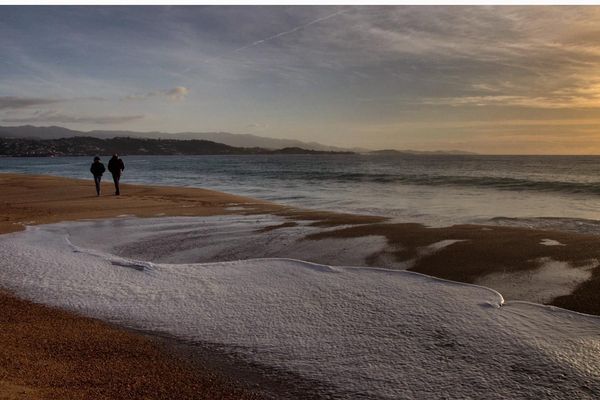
(15, 102)
(550, 101)
(57, 117)
(442, 68)
(178, 93)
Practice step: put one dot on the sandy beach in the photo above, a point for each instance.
(84, 358)
(43, 352)
(49, 353)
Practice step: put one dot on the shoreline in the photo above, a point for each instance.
(69, 199)
(33, 199)
(113, 351)
(175, 373)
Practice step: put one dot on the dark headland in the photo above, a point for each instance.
(90, 146)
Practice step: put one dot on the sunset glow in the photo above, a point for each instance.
(484, 79)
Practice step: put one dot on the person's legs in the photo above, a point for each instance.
(97, 179)
(116, 178)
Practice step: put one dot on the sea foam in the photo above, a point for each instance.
(360, 332)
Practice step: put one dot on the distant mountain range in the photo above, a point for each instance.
(247, 141)
(230, 139)
(90, 146)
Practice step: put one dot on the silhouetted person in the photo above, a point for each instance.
(116, 167)
(97, 169)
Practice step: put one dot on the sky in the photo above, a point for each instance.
(497, 80)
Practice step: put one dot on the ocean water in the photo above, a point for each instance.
(432, 189)
(344, 332)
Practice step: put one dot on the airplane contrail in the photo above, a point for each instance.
(299, 27)
(272, 37)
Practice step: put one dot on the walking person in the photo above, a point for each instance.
(97, 169)
(116, 167)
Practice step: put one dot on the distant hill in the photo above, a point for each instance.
(231, 139)
(90, 146)
(418, 152)
(37, 132)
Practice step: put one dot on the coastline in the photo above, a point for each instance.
(45, 199)
(82, 357)
(28, 199)
(85, 358)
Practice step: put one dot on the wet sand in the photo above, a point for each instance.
(36, 199)
(51, 354)
(48, 353)
(483, 250)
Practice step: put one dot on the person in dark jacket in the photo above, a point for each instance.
(97, 169)
(116, 167)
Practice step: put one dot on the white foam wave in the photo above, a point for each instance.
(362, 332)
